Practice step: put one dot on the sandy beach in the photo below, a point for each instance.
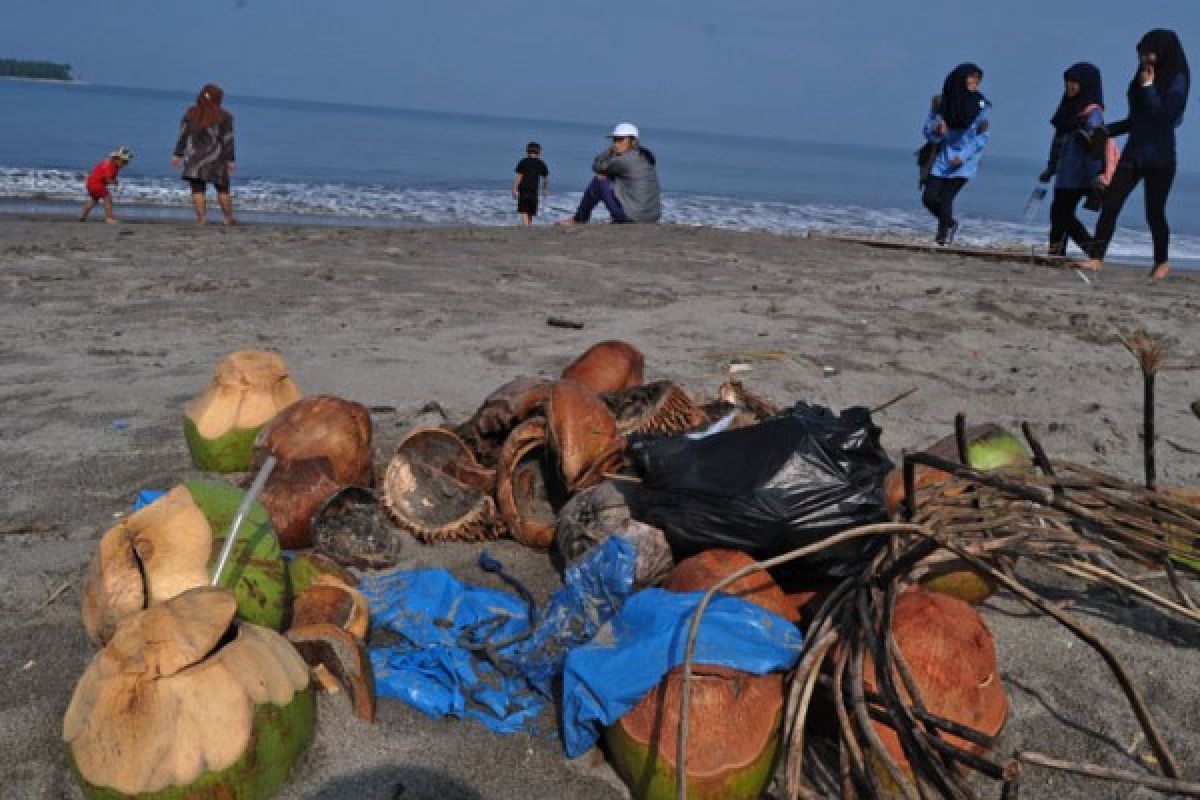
(108, 330)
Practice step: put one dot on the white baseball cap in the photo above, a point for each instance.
(624, 129)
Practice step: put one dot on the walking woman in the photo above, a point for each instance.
(205, 149)
(1076, 155)
(1157, 98)
(957, 127)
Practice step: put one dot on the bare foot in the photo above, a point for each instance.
(567, 221)
(230, 221)
(201, 221)
(1094, 264)
(1160, 271)
(112, 221)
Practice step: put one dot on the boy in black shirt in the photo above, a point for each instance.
(525, 185)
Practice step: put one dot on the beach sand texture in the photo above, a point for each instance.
(108, 330)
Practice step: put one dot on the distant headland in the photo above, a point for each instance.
(36, 70)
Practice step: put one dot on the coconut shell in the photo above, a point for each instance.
(738, 396)
(170, 545)
(345, 657)
(423, 497)
(350, 528)
(328, 600)
(322, 426)
(582, 433)
(704, 570)
(607, 367)
(952, 656)
(248, 388)
(523, 485)
(180, 702)
(293, 493)
(659, 407)
(734, 717)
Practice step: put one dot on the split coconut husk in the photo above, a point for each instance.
(181, 703)
(336, 650)
(525, 483)
(327, 427)
(501, 411)
(734, 716)
(350, 529)
(609, 366)
(292, 495)
(659, 407)
(248, 388)
(989, 447)
(170, 545)
(424, 495)
(327, 599)
(952, 657)
(582, 433)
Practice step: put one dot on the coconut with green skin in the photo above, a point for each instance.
(170, 546)
(185, 703)
(249, 387)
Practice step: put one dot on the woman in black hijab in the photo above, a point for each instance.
(957, 128)
(1157, 98)
(1076, 154)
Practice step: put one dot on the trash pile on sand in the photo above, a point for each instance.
(752, 596)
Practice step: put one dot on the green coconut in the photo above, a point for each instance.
(303, 569)
(185, 703)
(734, 716)
(249, 387)
(171, 545)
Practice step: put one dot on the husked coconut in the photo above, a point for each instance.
(248, 388)
(608, 366)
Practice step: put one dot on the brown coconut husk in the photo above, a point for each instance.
(423, 496)
(523, 485)
(952, 657)
(173, 694)
(501, 411)
(734, 717)
(248, 388)
(582, 433)
(344, 656)
(330, 600)
(322, 426)
(609, 366)
(147, 558)
(350, 528)
(659, 407)
(293, 494)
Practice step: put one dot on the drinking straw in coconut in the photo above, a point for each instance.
(261, 478)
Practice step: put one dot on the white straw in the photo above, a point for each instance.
(243, 509)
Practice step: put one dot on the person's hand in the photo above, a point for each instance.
(956, 162)
(176, 161)
(1046, 175)
(231, 166)
(941, 128)
(1147, 74)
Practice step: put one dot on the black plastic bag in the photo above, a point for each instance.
(768, 489)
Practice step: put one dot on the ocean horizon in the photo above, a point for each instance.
(316, 163)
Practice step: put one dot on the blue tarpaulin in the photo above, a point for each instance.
(439, 664)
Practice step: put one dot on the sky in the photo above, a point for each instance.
(854, 71)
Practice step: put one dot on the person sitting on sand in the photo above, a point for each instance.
(626, 181)
(101, 177)
(958, 126)
(1076, 155)
(1157, 99)
(205, 149)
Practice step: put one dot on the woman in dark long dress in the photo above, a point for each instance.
(1157, 98)
(205, 149)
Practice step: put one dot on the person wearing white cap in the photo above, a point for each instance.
(626, 181)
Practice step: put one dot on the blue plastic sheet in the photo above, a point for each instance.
(631, 654)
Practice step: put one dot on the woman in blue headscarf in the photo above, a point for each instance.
(1157, 98)
(957, 126)
(1076, 155)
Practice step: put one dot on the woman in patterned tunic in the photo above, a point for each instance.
(205, 149)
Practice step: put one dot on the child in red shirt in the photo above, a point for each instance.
(102, 175)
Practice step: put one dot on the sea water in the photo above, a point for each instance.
(324, 163)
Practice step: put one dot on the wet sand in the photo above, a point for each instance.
(109, 330)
